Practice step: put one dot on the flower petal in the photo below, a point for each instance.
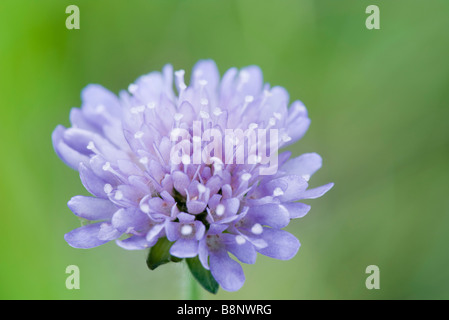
(281, 244)
(296, 209)
(297, 122)
(184, 248)
(316, 192)
(205, 70)
(71, 157)
(291, 187)
(92, 183)
(131, 220)
(180, 181)
(273, 215)
(108, 232)
(91, 208)
(195, 206)
(227, 272)
(305, 165)
(240, 248)
(85, 237)
(134, 243)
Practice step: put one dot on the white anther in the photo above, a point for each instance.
(151, 105)
(180, 73)
(217, 112)
(202, 82)
(201, 188)
(118, 195)
(204, 101)
(90, 145)
(204, 115)
(186, 230)
(272, 121)
(107, 188)
(138, 109)
(286, 138)
(133, 88)
(145, 208)
(257, 229)
(138, 134)
(107, 166)
(143, 160)
(219, 211)
(249, 99)
(246, 176)
(306, 177)
(239, 239)
(278, 192)
(277, 115)
(267, 93)
(178, 116)
(185, 159)
(253, 126)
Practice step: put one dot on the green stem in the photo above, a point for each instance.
(192, 289)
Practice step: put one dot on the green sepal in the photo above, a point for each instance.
(203, 276)
(160, 254)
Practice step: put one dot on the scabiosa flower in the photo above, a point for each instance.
(154, 162)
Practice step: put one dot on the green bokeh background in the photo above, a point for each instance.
(378, 100)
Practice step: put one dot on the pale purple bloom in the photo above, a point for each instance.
(122, 145)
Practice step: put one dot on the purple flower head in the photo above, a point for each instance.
(197, 167)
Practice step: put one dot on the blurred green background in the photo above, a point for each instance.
(378, 100)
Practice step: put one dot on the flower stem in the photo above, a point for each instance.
(192, 290)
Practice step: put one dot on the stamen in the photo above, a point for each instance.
(118, 195)
(107, 188)
(252, 126)
(145, 208)
(133, 88)
(217, 112)
(285, 137)
(239, 239)
(277, 115)
(219, 211)
(201, 188)
(249, 99)
(278, 192)
(257, 229)
(180, 80)
(204, 115)
(138, 135)
(186, 230)
(178, 116)
(138, 109)
(185, 159)
(91, 147)
(267, 93)
(143, 160)
(107, 166)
